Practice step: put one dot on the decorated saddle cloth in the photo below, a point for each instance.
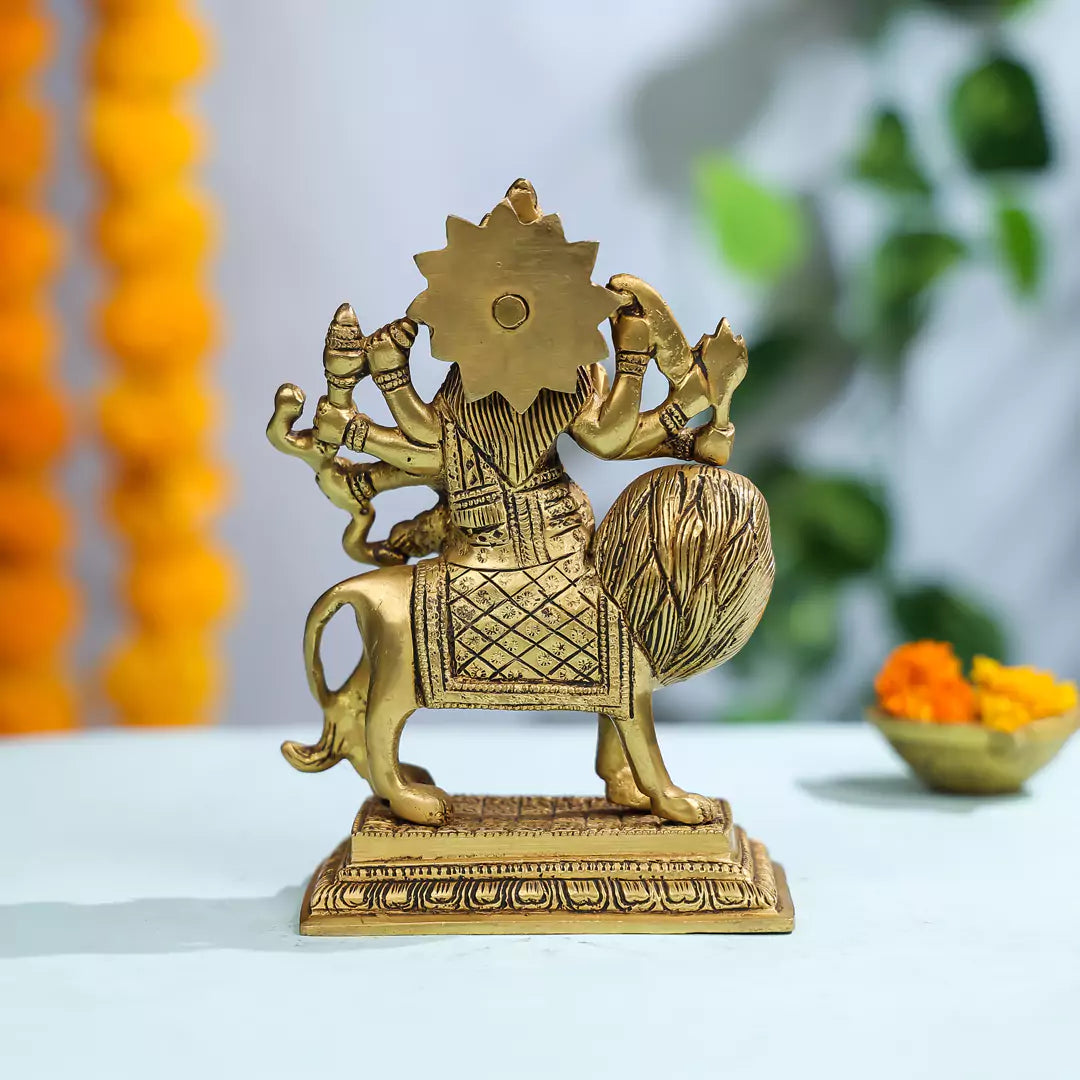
(540, 637)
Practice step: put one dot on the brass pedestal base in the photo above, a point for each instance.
(536, 865)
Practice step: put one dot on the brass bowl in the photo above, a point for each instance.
(974, 760)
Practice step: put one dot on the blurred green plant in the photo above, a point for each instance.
(760, 233)
(833, 531)
(997, 120)
(936, 611)
(903, 268)
(887, 159)
(1020, 247)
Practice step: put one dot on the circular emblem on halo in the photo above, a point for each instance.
(510, 311)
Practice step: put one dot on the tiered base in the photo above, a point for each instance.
(536, 865)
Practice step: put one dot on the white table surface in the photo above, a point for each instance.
(149, 887)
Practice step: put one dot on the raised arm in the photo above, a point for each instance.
(642, 330)
(699, 379)
(719, 365)
(347, 358)
(349, 485)
(607, 426)
(361, 434)
(388, 356)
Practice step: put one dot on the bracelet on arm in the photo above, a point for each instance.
(356, 432)
(360, 485)
(631, 363)
(681, 446)
(342, 382)
(387, 381)
(673, 418)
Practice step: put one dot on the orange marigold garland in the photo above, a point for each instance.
(158, 324)
(923, 681)
(38, 600)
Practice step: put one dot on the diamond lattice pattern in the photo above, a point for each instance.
(532, 625)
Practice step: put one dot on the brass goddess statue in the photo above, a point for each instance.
(519, 601)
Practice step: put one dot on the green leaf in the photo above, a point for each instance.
(846, 528)
(772, 357)
(825, 526)
(997, 119)
(904, 267)
(886, 158)
(813, 623)
(936, 612)
(980, 8)
(799, 632)
(906, 263)
(760, 233)
(1020, 246)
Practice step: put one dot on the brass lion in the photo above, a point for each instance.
(517, 599)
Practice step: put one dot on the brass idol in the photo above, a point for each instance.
(518, 600)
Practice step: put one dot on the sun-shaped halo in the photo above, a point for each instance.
(510, 301)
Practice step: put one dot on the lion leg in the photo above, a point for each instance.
(386, 626)
(346, 716)
(614, 769)
(638, 737)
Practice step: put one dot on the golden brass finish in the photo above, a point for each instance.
(519, 605)
(478, 286)
(542, 865)
(510, 311)
(971, 759)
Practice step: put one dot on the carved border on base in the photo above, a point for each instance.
(595, 887)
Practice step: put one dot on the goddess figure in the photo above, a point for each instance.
(518, 601)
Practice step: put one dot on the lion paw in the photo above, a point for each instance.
(684, 807)
(422, 804)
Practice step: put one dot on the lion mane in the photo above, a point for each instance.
(685, 553)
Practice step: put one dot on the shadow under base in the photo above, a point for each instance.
(539, 865)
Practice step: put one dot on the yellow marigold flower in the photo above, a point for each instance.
(25, 131)
(33, 701)
(34, 525)
(25, 42)
(155, 509)
(171, 227)
(1000, 712)
(30, 244)
(922, 680)
(111, 9)
(164, 679)
(184, 588)
(137, 417)
(28, 342)
(42, 414)
(158, 323)
(1012, 696)
(142, 143)
(47, 610)
(149, 50)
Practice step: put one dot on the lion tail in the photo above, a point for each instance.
(685, 553)
(329, 750)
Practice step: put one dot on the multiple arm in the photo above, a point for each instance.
(611, 426)
(610, 422)
(389, 445)
(388, 354)
(699, 379)
(408, 455)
